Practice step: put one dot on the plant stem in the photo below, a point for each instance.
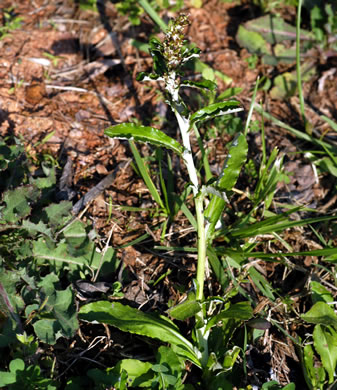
(201, 334)
(187, 155)
(153, 14)
(201, 247)
(298, 65)
(198, 199)
(184, 125)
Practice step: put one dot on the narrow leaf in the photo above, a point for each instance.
(203, 84)
(144, 134)
(145, 175)
(229, 92)
(261, 283)
(262, 228)
(153, 14)
(214, 110)
(233, 163)
(314, 374)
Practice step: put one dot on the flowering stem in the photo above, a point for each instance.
(184, 126)
(174, 58)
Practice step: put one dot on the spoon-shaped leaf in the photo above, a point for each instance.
(325, 342)
(132, 320)
(144, 134)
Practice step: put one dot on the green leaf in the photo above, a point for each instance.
(274, 29)
(216, 109)
(327, 165)
(270, 175)
(16, 366)
(275, 224)
(18, 203)
(153, 14)
(45, 182)
(203, 84)
(34, 228)
(321, 313)
(75, 234)
(159, 62)
(274, 385)
(219, 382)
(60, 256)
(252, 41)
(186, 309)
(314, 374)
(10, 305)
(229, 92)
(325, 342)
(230, 358)
(261, 283)
(289, 386)
(238, 311)
(48, 284)
(146, 76)
(236, 157)
(64, 311)
(262, 255)
(320, 293)
(47, 330)
(144, 134)
(58, 309)
(132, 320)
(145, 175)
(285, 84)
(167, 357)
(330, 122)
(7, 378)
(217, 267)
(139, 373)
(55, 213)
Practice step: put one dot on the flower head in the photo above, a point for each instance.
(174, 42)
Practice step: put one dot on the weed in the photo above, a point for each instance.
(215, 358)
(10, 22)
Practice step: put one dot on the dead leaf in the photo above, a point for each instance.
(35, 92)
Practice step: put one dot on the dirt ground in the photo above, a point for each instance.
(67, 74)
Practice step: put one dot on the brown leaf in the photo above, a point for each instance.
(35, 92)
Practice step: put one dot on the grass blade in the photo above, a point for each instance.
(145, 175)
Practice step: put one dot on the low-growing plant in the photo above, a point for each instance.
(44, 250)
(10, 22)
(276, 41)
